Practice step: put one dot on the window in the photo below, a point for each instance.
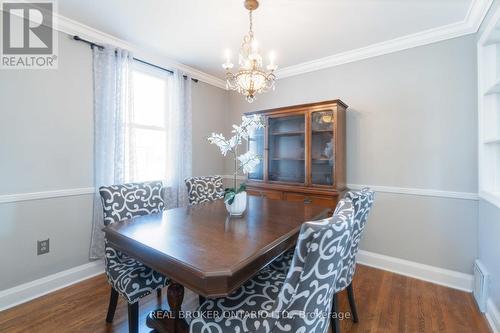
(146, 132)
(489, 111)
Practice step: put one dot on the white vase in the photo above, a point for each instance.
(239, 205)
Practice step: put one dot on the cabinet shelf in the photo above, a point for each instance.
(494, 36)
(491, 140)
(287, 159)
(323, 131)
(494, 88)
(288, 133)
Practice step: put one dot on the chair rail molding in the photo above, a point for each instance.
(6, 198)
(469, 25)
(418, 191)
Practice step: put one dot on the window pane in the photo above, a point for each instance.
(150, 98)
(149, 155)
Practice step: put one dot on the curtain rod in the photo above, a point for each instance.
(92, 44)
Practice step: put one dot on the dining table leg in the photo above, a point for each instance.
(173, 323)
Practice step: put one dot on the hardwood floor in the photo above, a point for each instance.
(386, 302)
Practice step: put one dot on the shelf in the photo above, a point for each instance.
(321, 160)
(323, 131)
(287, 159)
(491, 140)
(494, 89)
(288, 133)
(494, 36)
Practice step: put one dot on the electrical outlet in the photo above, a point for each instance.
(42, 246)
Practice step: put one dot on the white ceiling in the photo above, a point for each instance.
(196, 32)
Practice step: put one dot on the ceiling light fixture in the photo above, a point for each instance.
(250, 79)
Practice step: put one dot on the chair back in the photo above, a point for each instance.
(204, 189)
(126, 201)
(305, 299)
(362, 202)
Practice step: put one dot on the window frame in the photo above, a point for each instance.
(130, 125)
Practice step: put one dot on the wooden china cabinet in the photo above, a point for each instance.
(303, 149)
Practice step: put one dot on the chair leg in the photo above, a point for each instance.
(113, 300)
(133, 317)
(352, 303)
(158, 293)
(334, 320)
(201, 299)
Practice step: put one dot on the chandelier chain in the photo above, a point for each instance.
(251, 21)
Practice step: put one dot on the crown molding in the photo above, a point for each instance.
(469, 25)
(72, 27)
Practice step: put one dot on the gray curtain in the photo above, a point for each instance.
(179, 141)
(112, 74)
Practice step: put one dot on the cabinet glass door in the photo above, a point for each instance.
(256, 145)
(322, 144)
(286, 149)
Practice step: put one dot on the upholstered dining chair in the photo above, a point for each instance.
(299, 300)
(204, 189)
(362, 202)
(129, 277)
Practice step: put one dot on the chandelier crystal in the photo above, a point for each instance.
(251, 78)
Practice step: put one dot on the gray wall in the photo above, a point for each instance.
(210, 105)
(46, 144)
(411, 123)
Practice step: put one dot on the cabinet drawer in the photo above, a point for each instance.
(277, 195)
(319, 200)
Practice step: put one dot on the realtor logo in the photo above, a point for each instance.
(28, 35)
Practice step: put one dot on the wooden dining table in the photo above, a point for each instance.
(200, 247)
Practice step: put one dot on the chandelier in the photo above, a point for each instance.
(251, 78)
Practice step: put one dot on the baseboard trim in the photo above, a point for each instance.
(444, 277)
(37, 288)
(456, 280)
(493, 316)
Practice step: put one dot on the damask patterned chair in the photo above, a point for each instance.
(204, 189)
(362, 202)
(127, 276)
(278, 297)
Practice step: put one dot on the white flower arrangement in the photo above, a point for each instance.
(247, 161)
